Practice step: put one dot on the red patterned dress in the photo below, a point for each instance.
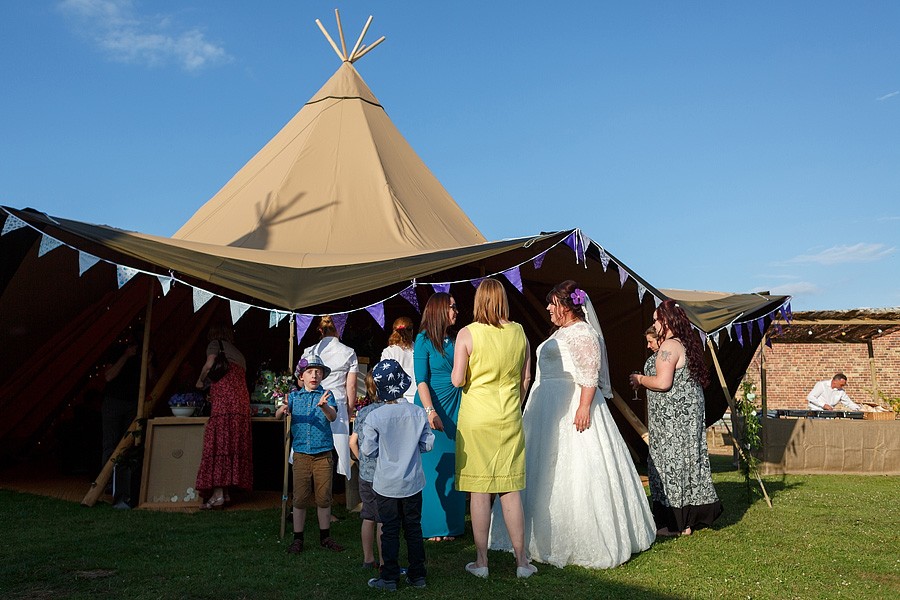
(227, 460)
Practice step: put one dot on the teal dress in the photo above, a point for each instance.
(443, 506)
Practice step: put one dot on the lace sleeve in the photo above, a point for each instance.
(585, 350)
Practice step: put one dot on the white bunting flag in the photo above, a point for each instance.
(275, 317)
(47, 244)
(201, 297)
(85, 262)
(12, 223)
(641, 291)
(237, 310)
(165, 282)
(124, 274)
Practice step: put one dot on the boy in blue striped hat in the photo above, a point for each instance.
(397, 434)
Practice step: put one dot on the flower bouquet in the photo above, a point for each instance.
(186, 404)
(270, 392)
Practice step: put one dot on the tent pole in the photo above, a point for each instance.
(145, 356)
(632, 418)
(287, 433)
(98, 485)
(734, 441)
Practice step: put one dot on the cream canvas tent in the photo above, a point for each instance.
(336, 214)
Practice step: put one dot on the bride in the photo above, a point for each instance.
(583, 500)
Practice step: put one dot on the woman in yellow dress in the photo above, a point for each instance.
(493, 365)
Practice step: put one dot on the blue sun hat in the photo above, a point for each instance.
(391, 380)
(311, 362)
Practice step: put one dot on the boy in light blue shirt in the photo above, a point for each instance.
(397, 434)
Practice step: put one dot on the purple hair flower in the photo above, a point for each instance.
(578, 296)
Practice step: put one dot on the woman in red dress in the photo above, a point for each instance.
(227, 460)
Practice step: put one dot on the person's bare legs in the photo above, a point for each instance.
(324, 516)
(514, 517)
(299, 515)
(367, 536)
(480, 507)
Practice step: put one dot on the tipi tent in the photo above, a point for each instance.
(336, 214)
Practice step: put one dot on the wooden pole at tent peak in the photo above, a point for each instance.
(331, 41)
(730, 400)
(337, 17)
(353, 56)
(362, 53)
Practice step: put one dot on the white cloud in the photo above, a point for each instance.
(130, 37)
(795, 288)
(886, 96)
(836, 255)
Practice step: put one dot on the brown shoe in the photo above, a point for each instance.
(296, 547)
(332, 545)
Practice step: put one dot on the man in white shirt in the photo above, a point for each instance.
(825, 395)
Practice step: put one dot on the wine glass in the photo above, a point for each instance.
(636, 397)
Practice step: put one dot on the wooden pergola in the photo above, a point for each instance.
(856, 326)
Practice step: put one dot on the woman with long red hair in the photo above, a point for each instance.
(678, 466)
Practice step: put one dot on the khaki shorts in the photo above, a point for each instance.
(312, 479)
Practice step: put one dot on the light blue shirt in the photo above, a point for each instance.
(310, 429)
(397, 433)
(366, 463)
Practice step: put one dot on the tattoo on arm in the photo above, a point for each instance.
(665, 355)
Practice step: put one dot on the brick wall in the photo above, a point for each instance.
(793, 369)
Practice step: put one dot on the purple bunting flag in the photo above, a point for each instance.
(409, 294)
(761, 325)
(477, 281)
(340, 321)
(623, 275)
(539, 260)
(739, 333)
(788, 315)
(303, 322)
(514, 276)
(377, 312)
(441, 287)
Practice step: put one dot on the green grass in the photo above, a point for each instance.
(827, 537)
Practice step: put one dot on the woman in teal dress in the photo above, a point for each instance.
(443, 506)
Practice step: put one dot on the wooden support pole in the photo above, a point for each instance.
(145, 355)
(353, 56)
(872, 371)
(287, 432)
(362, 53)
(145, 407)
(730, 400)
(337, 17)
(331, 41)
(632, 418)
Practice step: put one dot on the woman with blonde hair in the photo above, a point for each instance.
(341, 382)
(400, 348)
(492, 364)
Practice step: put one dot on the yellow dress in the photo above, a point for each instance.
(490, 444)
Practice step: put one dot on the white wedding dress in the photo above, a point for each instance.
(583, 500)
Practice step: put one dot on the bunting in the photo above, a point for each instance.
(514, 276)
(200, 297)
(47, 244)
(85, 262)
(377, 312)
(441, 287)
(124, 274)
(739, 334)
(409, 294)
(604, 259)
(538, 260)
(237, 310)
(275, 317)
(641, 291)
(623, 276)
(340, 321)
(166, 283)
(302, 324)
(12, 223)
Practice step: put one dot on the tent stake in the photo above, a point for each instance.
(734, 440)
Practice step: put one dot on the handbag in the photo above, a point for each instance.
(220, 366)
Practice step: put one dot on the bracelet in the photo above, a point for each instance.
(429, 410)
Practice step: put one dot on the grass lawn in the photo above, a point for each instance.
(827, 537)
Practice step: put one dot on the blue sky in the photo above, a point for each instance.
(709, 145)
